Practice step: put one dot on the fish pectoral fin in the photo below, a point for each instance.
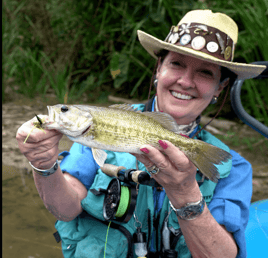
(127, 107)
(99, 156)
(166, 120)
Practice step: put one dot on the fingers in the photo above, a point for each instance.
(155, 157)
(176, 156)
(41, 148)
(175, 167)
(45, 160)
(169, 157)
(42, 145)
(35, 134)
(144, 160)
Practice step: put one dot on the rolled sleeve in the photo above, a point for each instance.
(231, 200)
(79, 162)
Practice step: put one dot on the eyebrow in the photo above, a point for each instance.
(203, 62)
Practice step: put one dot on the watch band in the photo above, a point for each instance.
(46, 172)
(191, 210)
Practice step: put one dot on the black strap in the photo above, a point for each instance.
(127, 235)
(156, 223)
(149, 227)
(57, 236)
(153, 255)
(176, 239)
(149, 104)
(122, 229)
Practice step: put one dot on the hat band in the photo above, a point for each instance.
(203, 38)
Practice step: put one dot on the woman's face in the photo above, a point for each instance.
(186, 86)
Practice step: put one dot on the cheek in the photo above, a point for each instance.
(207, 91)
(164, 72)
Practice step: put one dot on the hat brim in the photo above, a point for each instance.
(243, 71)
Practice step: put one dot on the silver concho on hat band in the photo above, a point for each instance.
(185, 39)
(174, 39)
(212, 47)
(198, 43)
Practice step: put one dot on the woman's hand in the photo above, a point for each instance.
(176, 172)
(41, 149)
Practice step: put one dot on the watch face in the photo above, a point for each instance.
(191, 212)
(56, 166)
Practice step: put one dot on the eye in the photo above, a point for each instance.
(64, 109)
(207, 72)
(176, 63)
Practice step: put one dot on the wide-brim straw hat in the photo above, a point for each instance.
(204, 35)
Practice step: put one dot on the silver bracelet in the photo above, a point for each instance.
(46, 172)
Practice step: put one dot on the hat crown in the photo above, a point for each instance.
(217, 20)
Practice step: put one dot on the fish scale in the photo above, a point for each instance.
(120, 128)
(111, 128)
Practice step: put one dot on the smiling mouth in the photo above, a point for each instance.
(86, 130)
(181, 96)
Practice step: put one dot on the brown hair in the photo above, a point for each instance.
(225, 72)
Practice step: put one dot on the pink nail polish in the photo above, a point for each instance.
(144, 150)
(163, 144)
(185, 135)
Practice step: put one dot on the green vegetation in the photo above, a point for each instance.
(249, 142)
(75, 49)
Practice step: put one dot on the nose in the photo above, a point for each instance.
(186, 80)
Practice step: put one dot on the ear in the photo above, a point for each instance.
(222, 85)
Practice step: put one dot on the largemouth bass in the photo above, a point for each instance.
(120, 128)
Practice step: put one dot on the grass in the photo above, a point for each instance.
(90, 48)
(247, 142)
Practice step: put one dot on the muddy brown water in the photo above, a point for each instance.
(28, 227)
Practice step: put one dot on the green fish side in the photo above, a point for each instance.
(127, 131)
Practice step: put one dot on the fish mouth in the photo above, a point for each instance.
(87, 129)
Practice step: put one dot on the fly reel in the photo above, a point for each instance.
(119, 201)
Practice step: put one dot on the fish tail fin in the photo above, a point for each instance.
(206, 156)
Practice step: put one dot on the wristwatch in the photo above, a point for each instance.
(46, 172)
(191, 210)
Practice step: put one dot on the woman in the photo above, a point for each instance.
(203, 221)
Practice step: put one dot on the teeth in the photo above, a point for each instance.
(180, 96)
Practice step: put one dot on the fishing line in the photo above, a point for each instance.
(119, 201)
(124, 201)
(37, 125)
(106, 238)
(29, 134)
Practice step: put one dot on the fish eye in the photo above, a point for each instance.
(64, 109)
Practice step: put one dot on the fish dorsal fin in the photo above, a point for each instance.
(166, 120)
(127, 107)
(99, 156)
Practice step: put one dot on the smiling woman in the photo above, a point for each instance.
(186, 86)
(190, 215)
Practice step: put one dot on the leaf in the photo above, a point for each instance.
(119, 65)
